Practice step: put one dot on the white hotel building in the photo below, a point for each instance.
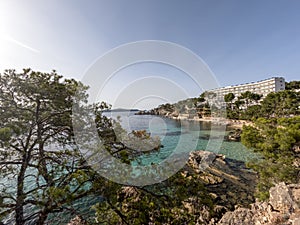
(263, 87)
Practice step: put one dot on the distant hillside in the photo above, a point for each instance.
(246, 106)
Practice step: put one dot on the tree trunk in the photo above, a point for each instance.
(42, 218)
(20, 193)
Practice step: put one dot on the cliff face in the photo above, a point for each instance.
(283, 208)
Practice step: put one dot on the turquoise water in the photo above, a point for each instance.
(181, 136)
(178, 136)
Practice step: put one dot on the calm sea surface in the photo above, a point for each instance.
(180, 136)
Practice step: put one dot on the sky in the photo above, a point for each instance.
(240, 41)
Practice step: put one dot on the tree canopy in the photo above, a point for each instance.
(292, 85)
(229, 97)
(278, 140)
(42, 167)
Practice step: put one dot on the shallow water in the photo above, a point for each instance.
(182, 136)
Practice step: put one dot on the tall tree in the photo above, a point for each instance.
(247, 96)
(229, 97)
(38, 154)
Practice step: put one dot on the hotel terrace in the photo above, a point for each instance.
(263, 87)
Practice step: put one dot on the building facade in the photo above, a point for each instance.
(263, 87)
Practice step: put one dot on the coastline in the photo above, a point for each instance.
(238, 124)
(228, 122)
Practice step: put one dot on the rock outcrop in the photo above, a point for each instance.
(78, 220)
(234, 135)
(228, 180)
(283, 208)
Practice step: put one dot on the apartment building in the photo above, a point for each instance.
(263, 87)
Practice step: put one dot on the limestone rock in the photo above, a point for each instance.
(77, 221)
(281, 209)
(240, 216)
(228, 181)
(281, 198)
(201, 159)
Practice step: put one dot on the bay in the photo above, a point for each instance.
(182, 136)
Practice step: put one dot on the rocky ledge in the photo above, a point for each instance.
(283, 208)
(228, 180)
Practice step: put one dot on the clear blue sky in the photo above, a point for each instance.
(241, 41)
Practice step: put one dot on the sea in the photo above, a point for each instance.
(175, 135)
(195, 135)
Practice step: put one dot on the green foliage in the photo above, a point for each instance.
(163, 203)
(275, 139)
(5, 135)
(251, 137)
(232, 114)
(279, 104)
(38, 146)
(292, 85)
(276, 104)
(229, 97)
(201, 98)
(251, 113)
(168, 107)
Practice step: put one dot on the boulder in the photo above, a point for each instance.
(281, 198)
(201, 159)
(238, 217)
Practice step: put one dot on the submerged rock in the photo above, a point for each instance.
(234, 135)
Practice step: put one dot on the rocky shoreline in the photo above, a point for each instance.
(228, 182)
(194, 117)
(232, 187)
(283, 208)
